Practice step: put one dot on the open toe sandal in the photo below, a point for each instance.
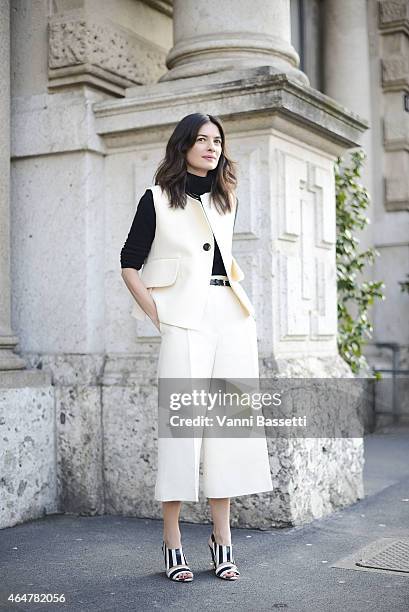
(223, 560)
(176, 564)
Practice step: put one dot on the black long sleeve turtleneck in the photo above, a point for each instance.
(142, 232)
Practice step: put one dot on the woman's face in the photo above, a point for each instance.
(204, 155)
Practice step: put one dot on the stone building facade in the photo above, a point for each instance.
(91, 91)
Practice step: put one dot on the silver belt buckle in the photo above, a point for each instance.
(219, 281)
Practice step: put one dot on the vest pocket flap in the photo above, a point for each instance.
(160, 272)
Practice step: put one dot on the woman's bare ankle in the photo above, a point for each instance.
(172, 538)
(222, 536)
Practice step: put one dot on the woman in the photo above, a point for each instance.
(189, 287)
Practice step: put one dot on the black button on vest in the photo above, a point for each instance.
(206, 246)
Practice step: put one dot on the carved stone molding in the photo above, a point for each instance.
(395, 72)
(396, 180)
(392, 12)
(306, 239)
(99, 53)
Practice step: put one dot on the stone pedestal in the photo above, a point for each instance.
(285, 138)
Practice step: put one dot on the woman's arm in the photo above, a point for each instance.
(140, 293)
(136, 250)
(141, 235)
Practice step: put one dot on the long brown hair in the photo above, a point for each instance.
(172, 172)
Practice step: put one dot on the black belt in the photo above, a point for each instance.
(219, 281)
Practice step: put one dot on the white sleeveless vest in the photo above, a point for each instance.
(178, 268)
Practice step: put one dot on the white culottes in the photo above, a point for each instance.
(225, 346)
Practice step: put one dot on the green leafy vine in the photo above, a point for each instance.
(354, 297)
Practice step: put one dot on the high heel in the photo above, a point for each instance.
(175, 563)
(223, 560)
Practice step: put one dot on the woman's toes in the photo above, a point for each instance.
(231, 574)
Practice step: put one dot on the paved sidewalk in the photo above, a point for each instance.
(115, 563)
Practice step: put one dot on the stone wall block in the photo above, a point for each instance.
(79, 461)
(27, 458)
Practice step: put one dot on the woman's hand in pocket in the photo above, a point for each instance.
(154, 318)
(142, 294)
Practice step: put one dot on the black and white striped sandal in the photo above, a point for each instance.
(176, 564)
(223, 560)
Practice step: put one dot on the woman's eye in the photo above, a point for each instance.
(201, 139)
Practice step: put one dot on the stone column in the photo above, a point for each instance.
(346, 47)
(346, 65)
(243, 35)
(8, 359)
